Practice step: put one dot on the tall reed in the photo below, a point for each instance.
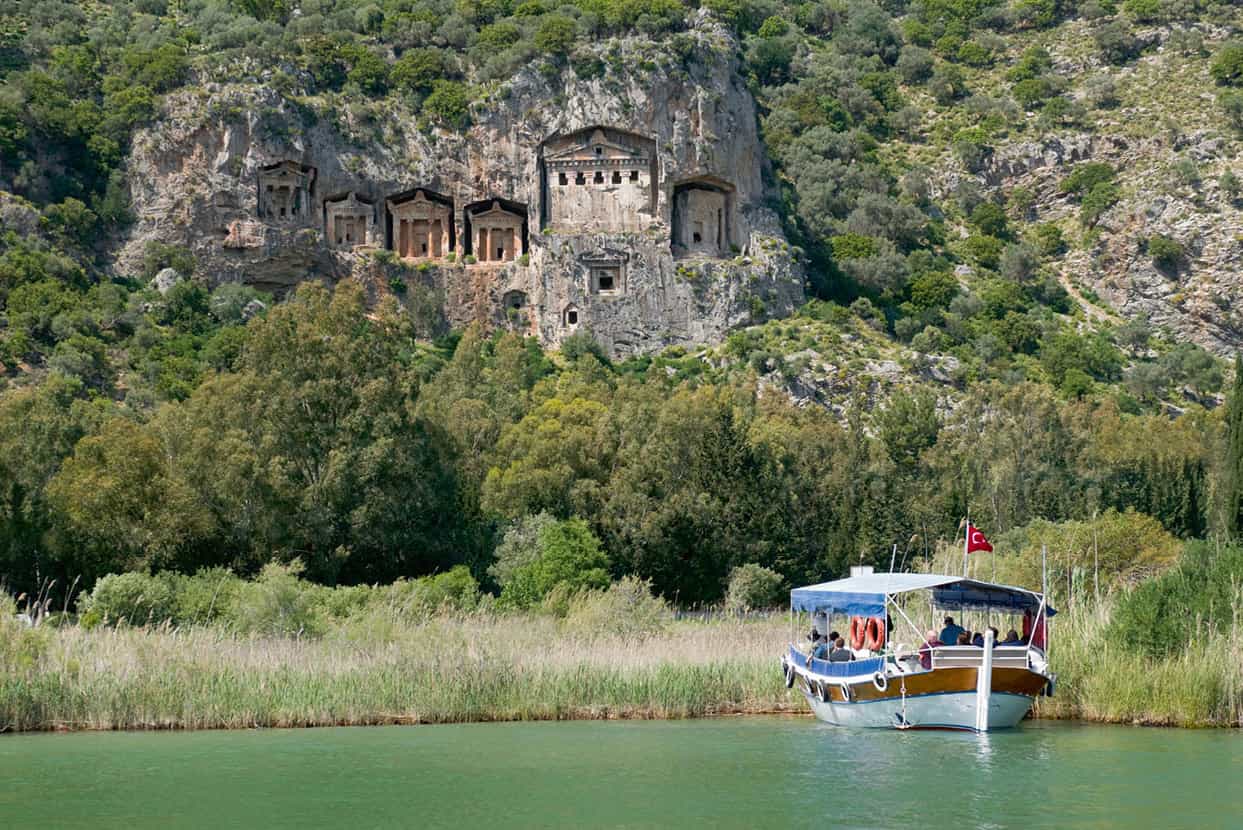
(1099, 680)
(475, 667)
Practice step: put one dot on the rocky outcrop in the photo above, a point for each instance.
(1193, 300)
(195, 179)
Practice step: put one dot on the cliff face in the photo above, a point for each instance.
(1192, 298)
(584, 185)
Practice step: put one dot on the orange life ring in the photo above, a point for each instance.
(858, 631)
(875, 634)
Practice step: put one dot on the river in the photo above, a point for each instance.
(728, 772)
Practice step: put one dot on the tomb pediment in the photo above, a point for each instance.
(595, 147)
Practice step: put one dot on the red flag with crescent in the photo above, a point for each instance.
(976, 540)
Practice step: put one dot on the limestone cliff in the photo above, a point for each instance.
(217, 171)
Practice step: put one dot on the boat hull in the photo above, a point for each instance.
(947, 710)
(940, 699)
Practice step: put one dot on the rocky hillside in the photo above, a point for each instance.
(1000, 190)
(193, 176)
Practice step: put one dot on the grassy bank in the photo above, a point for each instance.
(1100, 680)
(477, 667)
(486, 667)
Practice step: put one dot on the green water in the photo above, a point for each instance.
(746, 772)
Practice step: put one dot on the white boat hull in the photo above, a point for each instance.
(943, 710)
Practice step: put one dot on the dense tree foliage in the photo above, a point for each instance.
(336, 439)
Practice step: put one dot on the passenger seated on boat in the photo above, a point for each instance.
(819, 648)
(1012, 638)
(964, 639)
(925, 651)
(840, 654)
(996, 634)
(977, 640)
(949, 634)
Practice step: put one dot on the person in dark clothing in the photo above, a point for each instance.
(840, 654)
(949, 634)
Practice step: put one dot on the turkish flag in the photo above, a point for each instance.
(976, 540)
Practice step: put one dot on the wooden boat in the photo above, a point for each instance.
(922, 686)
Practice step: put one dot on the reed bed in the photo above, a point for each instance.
(1098, 680)
(486, 666)
(469, 668)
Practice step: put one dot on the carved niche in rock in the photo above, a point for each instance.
(606, 272)
(420, 224)
(496, 230)
(598, 180)
(349, 221)
(285, 191)
(703, 211)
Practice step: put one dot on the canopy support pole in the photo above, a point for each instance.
(984, 684)
(918, 635)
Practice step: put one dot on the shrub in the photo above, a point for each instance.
(1049, 239)
(1085, 176)
(948, 84)
(1231, 103)
(1098, 200)
(449, 103)
(1227, 65)
(1230, 185)
(1115, 42)
(1166, 615)
(369, 72)
(753, 586)
(417, 70)
(984, 251)
(973, 54)
(773, 26)
(626, 609)
(519, 547)
(1166, 253)
(1031, 93)
(915, 64)
(972, 148)
(854, 246)
(278, 603)
(933, 289)
(989, 218)
(208, 596)
(570, 559)
(1143, 11)
(135, 598)
(1019, 262)
(1034, 62)
(157, 256)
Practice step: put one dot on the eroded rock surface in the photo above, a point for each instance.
(577, 189)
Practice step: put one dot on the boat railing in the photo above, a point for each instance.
(971, 657)
(867, 666)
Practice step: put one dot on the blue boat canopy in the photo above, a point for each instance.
(864, 595)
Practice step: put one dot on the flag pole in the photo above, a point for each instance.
(966, 538)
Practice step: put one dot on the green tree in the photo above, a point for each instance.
(570, 559)
(556, 35)
(448, 103)
(1227, 64)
